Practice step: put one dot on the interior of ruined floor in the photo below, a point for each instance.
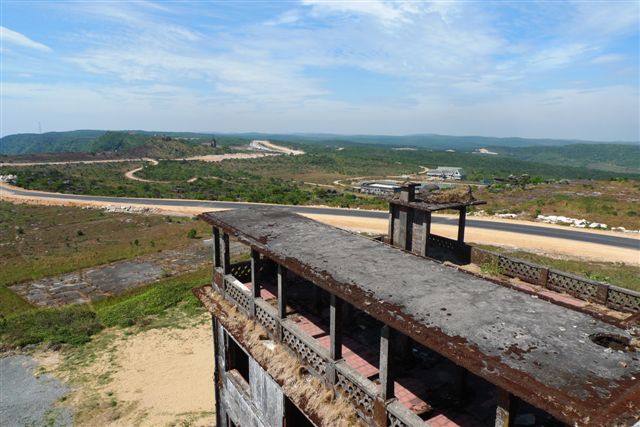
(432, 387)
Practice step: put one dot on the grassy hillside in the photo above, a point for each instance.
(608, 157)
(50, 142)
(42, 241)
(98, 141)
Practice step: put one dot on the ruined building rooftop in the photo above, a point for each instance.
(541, 352)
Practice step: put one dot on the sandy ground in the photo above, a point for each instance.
(221, 157)
(168, 373)
(271, 146)
(160, 377)
(537, 244)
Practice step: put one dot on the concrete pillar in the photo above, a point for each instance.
(217, 383)
(408, 192)
(216, 247)
(426, 232)
(392, 208)
(505, 411)
(386, 373)
(282, 292)
(226, 254)
(335, 328)
(255, 279)
(461, 224)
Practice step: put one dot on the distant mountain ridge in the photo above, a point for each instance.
(84, 140)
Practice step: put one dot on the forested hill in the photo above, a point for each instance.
(138, 143)
(607, 157)
(49, 142)
(85, 140)
(430, 141)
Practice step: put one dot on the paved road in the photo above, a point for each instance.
(560, 233)
(29, 400)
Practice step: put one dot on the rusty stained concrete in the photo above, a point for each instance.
(537, 350)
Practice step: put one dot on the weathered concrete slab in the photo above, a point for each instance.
(95, 283)
(543, 353)
(27, 400)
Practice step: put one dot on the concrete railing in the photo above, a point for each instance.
(241, 271)
(235, 291)
(306, 348)
(354, 387)
(399, 415)
(461, 250)
(580, 287)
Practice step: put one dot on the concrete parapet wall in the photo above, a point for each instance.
(580, 287)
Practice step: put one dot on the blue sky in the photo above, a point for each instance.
(533, 69)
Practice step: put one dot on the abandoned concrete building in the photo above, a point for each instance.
(379, 188)
(400, 338)
(446, 172)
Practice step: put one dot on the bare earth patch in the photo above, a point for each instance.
(158, 377)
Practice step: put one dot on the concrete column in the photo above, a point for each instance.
(505, 411)
(335, 328)
(216, 247)
(392, 208)
(386, 374)
(403, 232)
(217, 383)
(426, 232)
(226, 254)
(255, 279)
(461, 224)
(282, 293)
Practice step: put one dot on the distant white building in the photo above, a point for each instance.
(380, 188)
(446, 172)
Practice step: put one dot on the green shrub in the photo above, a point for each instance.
(66, 325)
(192, 234)
(491, 266)
(128, 310)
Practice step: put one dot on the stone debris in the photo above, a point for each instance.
(573, 222)
(580, 223)
(124, 209)
(9, 179)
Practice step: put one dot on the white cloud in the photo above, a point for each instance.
(14, 38)
(386, 12)
(608, 58)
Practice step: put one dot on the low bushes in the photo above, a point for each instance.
(76, 324)
(66, 325)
